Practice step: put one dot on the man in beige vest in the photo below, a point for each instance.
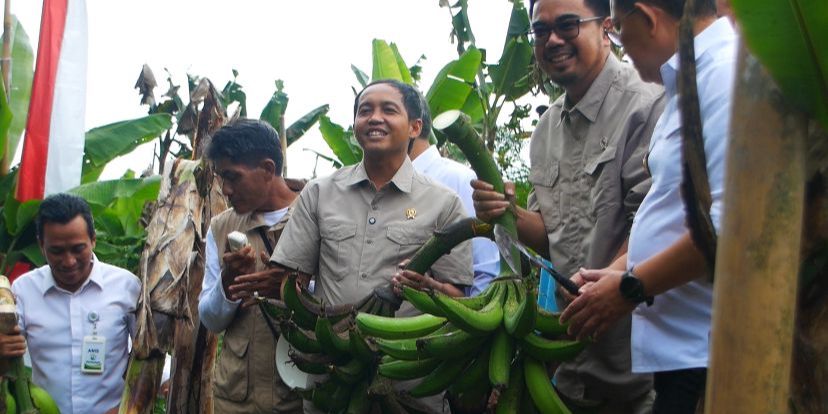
(247, 158)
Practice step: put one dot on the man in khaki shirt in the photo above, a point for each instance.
(588, 175)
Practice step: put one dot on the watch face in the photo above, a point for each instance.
(631, 288)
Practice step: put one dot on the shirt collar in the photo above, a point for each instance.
(256, 219)
(95, 277)
(718, 32)
(402, 179)
(590, 104)
(426, 158)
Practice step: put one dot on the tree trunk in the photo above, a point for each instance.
(759, 250)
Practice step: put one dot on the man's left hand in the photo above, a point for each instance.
(265, 283)
(599, 305)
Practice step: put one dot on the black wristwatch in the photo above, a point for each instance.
(632, 289)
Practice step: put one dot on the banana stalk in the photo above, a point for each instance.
(458, 129)
(446, 239)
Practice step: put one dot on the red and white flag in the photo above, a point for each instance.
(53, 145)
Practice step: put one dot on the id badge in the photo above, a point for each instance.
(93, 354)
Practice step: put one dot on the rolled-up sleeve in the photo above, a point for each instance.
(214, 309)
(298, 246)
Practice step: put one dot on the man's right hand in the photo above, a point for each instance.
(488, 203)
(236, 263)
(13, 344)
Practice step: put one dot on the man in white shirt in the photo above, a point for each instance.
(75, 302)
(457, 177)
(671, 337)
(247, 158)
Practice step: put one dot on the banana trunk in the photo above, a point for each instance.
(458, 129)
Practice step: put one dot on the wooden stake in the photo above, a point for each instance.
(758, 252)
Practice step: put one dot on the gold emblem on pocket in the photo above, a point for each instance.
(410, 213)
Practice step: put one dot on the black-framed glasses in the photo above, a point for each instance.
(615, 34)
(566, 29)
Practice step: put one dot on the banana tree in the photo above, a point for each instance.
(19, 92)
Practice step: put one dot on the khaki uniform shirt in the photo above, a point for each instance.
(246, 379)
(589, 178)
(352, 236)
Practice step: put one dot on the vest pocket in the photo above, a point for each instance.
(232, 369)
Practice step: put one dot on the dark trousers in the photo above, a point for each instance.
(678, 392)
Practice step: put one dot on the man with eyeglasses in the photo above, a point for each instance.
(586, 169)
(247, 157)
(662, 266)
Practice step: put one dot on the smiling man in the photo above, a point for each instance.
(72, 304)
(670, 336)
(247, 158)
(353, 228)
(588, 179)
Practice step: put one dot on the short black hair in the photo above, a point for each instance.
(411, 97)
(426, 117)
(62, 208)
(674, 8)
(598, 7)
(246, 141)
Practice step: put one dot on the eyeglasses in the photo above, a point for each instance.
(566, 29)
(615, 34)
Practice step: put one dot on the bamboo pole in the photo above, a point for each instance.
(758, 253)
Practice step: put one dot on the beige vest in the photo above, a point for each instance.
(246, 380)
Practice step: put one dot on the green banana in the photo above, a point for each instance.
(470, 320)
(407, 370)
(476, 373)
(299, 313)
(300, 339)
(510, 399)
(449, 345)
(440, 379)
(42, 400)
(519, 320)
(548, 350)
(331, 341)
(398, 328)
(311, 363)
(549, 323)
(405, 349)
(360, 348)
(349, 373)
(422, 301)
(274, 309)
(545, 397)
(11, 405)
(500, 359)
(359, 402)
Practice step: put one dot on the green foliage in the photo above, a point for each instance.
(275, 108)
(790, 38)
(510, 76)
(388, 64)
(341, 141)
(297, 129)
(105, 143)
(233, 92)
(454, 84)
(22, 73)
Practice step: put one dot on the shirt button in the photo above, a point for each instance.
(372, 220)
(374, 206)
(369, 242)
(364, 275)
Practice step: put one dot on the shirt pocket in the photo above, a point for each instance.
(232, 369)
(544, 179)
(604, 181)
(336, 252)
(407, 239)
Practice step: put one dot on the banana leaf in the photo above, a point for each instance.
(510, 76)
(303, 124)
(22, 72)
(233, 92)
(387, 62)
(790, 38)
(361, 76)
(5, 120)
(454, 83)
(340, 141)
(105, 143)
(275, 107)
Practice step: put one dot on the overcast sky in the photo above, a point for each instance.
(308, 44)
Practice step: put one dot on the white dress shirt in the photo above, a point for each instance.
(674, 333)
(214, 309)
(457, 177)
(55, 321)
